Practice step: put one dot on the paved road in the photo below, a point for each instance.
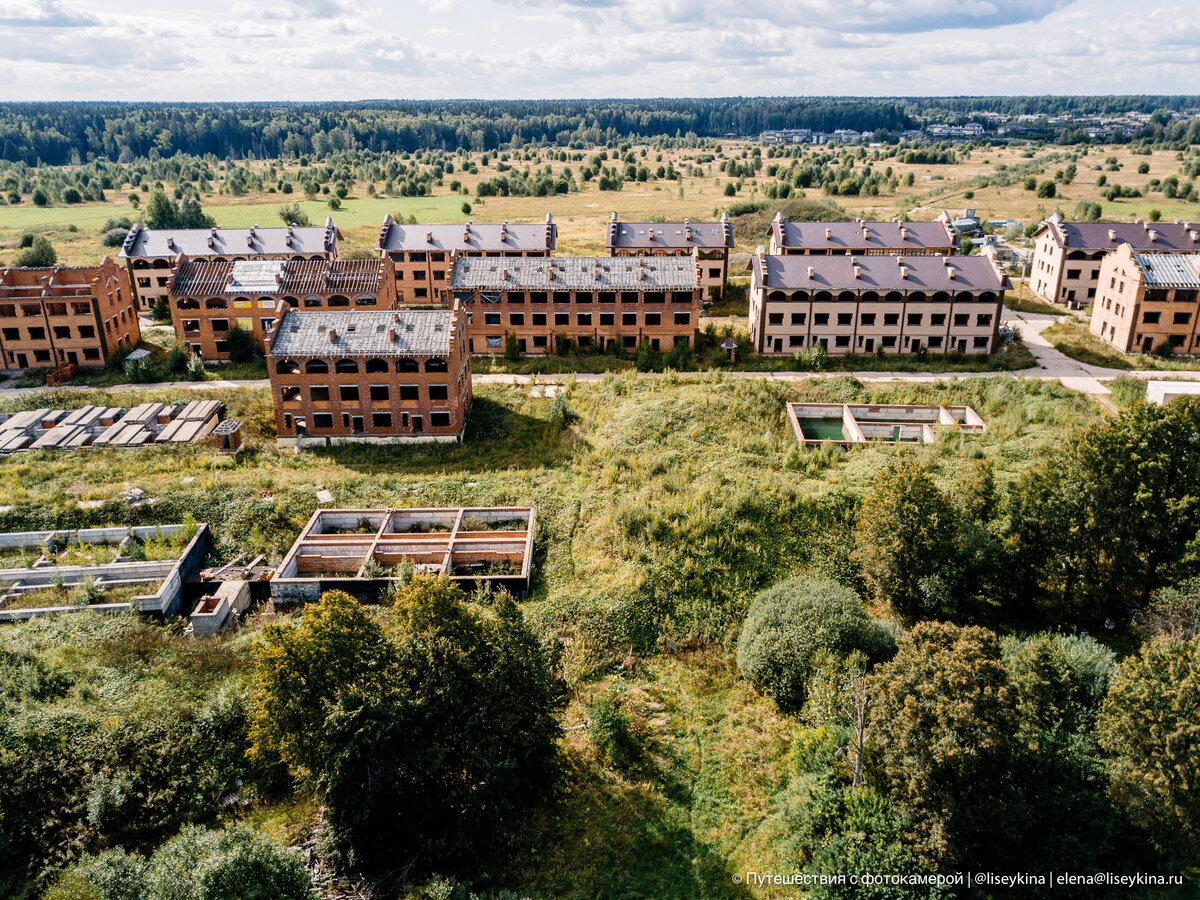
(1051, 364)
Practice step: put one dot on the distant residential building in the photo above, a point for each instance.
(865, 304)
(65, 316)
(969, 130)
(210, 298)
(420, 255)
(341, 375)
(151, 253)
(1067, 255)
(1148, 300)
(709, 242)
(861, 238)
(552, 305)
(786, 136)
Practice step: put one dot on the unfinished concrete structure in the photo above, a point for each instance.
(849, 424)
(358, 375)
(555, 304)
(65, 316)
(162, 579)
(101, 426)
(1148, 302)
(869, 304)
(861, 238)
(419, 256)
(1067, 255)
(210, 298)
(708, 242)
(354, 550)
(150, 253)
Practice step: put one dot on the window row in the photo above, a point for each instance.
(577, 297)
(61, 333)
(221, 326)
(585, 320)
(876, 297)
(336, 300)
(869, 320)
(887, 341)
(372, 366)
(376, 393)
(324, 421)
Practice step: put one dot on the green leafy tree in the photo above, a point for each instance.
(790, 626)
(512, 347)
(1149, 732)
(292, 214)
(940, 738)
(111, 875)
(242, 346)
(647, 359)
(905, 538)
(163, 212)
(1046, 189)
(1174, 612)
(1112, 516)
(39, 253)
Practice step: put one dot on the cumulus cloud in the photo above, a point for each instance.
(43, 14)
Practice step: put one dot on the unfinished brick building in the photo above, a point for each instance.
(150, 253)
(553, 305)
(1149, 302)
(65, 316)
(709, 242)
(420, 255)
(868, 304)
(1067, 255)
(859, 238)
(210, 298)
(355, 375)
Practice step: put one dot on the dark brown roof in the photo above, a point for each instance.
(468, 237)
(668, 235)
(863, 236)
(307, 276)
(580, 273)
(1110, 235)
(877, 273)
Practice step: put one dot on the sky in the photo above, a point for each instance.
(428, 49)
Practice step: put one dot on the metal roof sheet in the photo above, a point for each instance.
(365, 333)
(1169, 270)
(204, 277)
(565, 273)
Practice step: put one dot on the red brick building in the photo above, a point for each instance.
(65, 316)
(354, 375)
(209, 298)
(420, 255)
(861, 238)
(550, 305)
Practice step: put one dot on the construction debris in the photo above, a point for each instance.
(99, 426)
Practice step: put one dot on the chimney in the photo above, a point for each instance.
(332, 335)
(429, 237)
(1194, 235)
(613, 217)
(1153, 235)
(392, 336)
(811, 272)
(1112, 234)
(903, 233)
(828, 234)
(170, 242)
(903, 273)
(857, 272)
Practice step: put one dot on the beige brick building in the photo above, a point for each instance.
(860, 238)
(1147, 300)
(420, 255)
(65, 316)
(864, 304)
(151, 253)
(708, 242)
(355, 375)
(555, 305)
(1067, 255)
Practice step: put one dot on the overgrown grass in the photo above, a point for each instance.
(1033, 305)
(1071, 336)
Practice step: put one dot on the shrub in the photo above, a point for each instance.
(111, 875)
(40, 198)
(39, 252)
(113, 237)
(788, 625)
(609, 730)
(292, 214)
(237, 863)
(243, 348)
(71, 195)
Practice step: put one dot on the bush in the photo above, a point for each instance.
(111, 875)
(609, 730)
(1046, 189)
(71, 195)
(292, 214)
(789, 625)
(40, 198)
(39, 253)
(647, 358)
(243, 348)
(114, 237)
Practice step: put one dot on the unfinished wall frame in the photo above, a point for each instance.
(854, 424)
(352, 550)
(169, 575)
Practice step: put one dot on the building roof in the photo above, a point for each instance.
(195, 277)
(566, 273)
(53, 282)
(669, 235)
(877, 273)
(863, 236)
(426, 332)
(468, 237)
(253, 241)
(1110, 235)
(1169, 270)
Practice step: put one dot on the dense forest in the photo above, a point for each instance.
(66, 133)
